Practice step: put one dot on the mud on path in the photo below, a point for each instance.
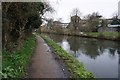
(44, 64)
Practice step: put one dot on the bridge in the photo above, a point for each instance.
(64, 24)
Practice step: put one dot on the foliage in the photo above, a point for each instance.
(19, 20)
(115, 22)
(92, 22)
(14, 63)
(74, 66)
(104, 23)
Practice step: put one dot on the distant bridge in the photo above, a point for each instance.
(64, 24)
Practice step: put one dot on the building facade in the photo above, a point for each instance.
(75, 23)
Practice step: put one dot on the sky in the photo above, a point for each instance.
(64, 8)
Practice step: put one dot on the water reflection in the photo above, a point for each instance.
(119, 65)
(85, 46)
(101, 57)
(65, 45)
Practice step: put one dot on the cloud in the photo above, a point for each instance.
(65, 7)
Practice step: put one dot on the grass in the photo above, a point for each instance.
(100, 35)
(104, 35)
(14, 63)
(74, 66)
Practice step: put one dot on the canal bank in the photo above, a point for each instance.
(114, 36)
(74, 66)
(101, 57)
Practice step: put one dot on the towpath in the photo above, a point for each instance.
(44, 64)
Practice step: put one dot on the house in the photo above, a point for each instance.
(56, 25)
(75, 23)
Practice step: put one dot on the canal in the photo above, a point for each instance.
(101, 57)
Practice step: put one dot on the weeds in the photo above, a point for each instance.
(74, 66)
(14, 63)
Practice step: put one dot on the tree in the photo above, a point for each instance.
(76, 12)
(19, 19)
(75, 19)
(92, 21)
(104, 23)
(115, 20)
(50, 23)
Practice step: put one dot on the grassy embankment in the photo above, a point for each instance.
(14, 64)
(105, 35)
(98, 35)
(74, 66)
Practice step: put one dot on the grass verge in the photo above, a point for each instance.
(115, 36)
(104, 35)
(14, 64)
(74, 66)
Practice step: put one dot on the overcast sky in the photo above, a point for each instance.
(64, 8)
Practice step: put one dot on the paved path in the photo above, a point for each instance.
(43, 63)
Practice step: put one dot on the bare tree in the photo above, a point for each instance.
(76, 12)
(75, 19)
(115, 14)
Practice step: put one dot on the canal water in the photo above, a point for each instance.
(101, 57)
